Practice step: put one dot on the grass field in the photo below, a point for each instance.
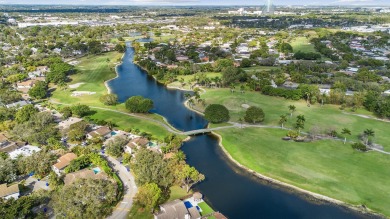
(261, 68)
(324, 117)
(93, 71)
(137, 212)
(325, 167)
(124, 122)
(206, 209)
(302, 44)
(176, 193)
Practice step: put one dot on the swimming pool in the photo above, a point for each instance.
(188, 204)
(96, 170)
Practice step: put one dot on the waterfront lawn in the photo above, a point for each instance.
(302, 44)
(176, 193)
(324, 117)
(125, 122)
(206, 209)
(136, 212)
(326, 167)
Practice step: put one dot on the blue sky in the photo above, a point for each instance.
(200, 2)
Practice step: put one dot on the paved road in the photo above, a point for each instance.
(130, 189)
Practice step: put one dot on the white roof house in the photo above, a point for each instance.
(24, 151)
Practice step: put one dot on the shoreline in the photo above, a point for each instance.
(109, 91)
(301, 192)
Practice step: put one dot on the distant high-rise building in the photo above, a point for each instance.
(268, 8)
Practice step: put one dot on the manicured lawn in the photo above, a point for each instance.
(92, 71)
(302, 44)
(324, 117)
(261, 68)
(138, 213)
(206, 209)
(176, 193)
(325, 167)
(125, 122)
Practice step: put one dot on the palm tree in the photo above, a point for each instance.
(283, 119)
(345, 132)
(300, 124)
(292, 109)
(368, 133)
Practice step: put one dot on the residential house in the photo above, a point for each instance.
(68, 122)
(102, 132)
(25, 84)
(95, 173)
(18, 104)
(24, 151)
(135, 144)
(7, 192)
(177, 210)
(63, 162)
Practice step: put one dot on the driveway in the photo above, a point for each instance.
(130, 189)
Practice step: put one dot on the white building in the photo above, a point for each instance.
(24, 151)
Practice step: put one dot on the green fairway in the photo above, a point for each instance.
(92, 71)
(325, 167)
(324, 117)
(302, 44)
(125, 122)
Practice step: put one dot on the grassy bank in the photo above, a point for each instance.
(125, 122)
(325, 167)
(322, 117)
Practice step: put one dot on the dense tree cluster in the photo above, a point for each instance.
(216, 113)
(139, 104)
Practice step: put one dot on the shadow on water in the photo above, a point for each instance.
(229, 189)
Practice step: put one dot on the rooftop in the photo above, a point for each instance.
(65, 160)
(5, 190)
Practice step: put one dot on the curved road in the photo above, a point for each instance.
(130, 189)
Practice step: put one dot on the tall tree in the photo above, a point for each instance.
(300, 124)
(148, 196)
(85, 198)
(254, 114)
(188, 176)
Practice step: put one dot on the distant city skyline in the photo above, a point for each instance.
(197, 2)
